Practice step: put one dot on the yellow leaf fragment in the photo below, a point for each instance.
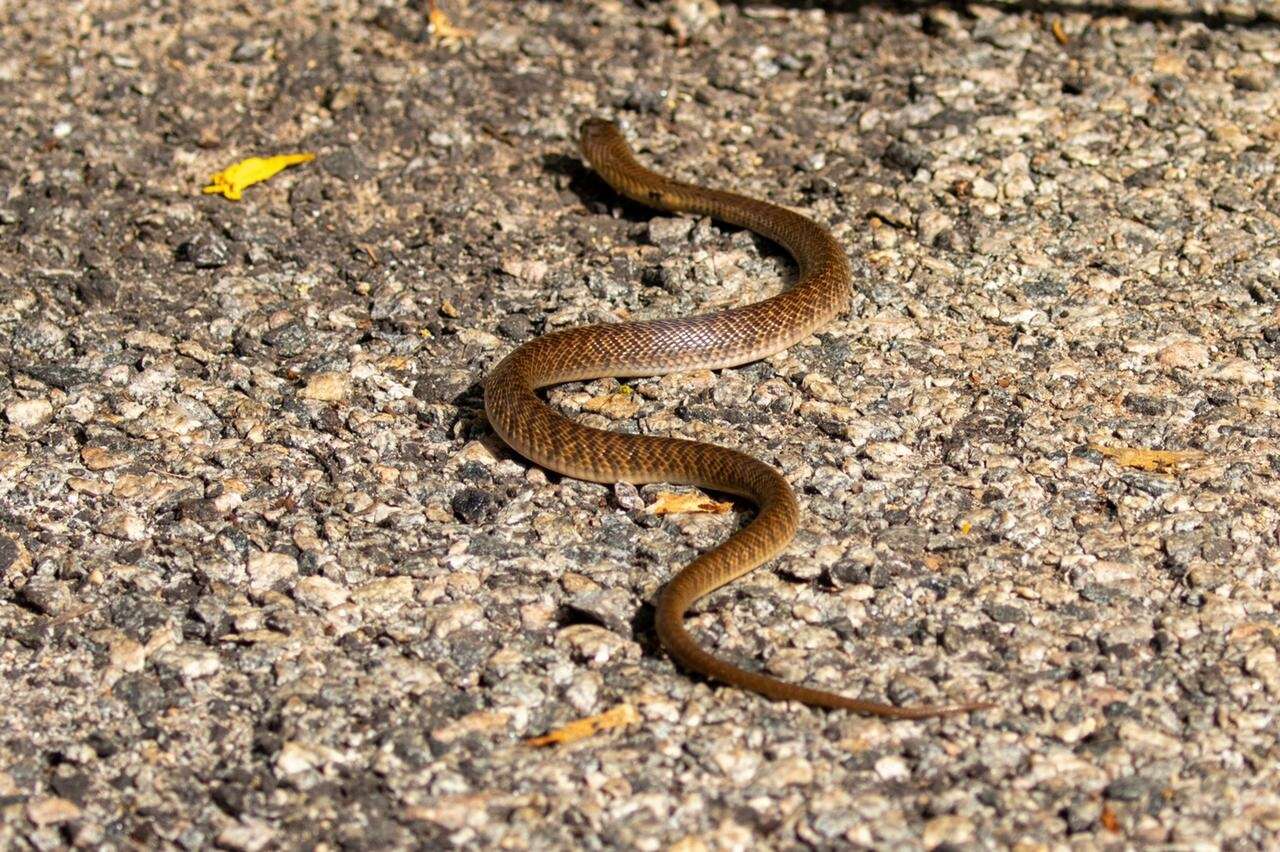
(443, 28)
(233, 180)
(580, 729)
(1158, 460)
(679, 504)
(1059, 32)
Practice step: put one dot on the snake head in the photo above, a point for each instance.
(598, 131)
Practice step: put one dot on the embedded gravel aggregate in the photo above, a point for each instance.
(268, 581)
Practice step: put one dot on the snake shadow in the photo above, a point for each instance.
(599, 198)
(469, 405)
(591, 189)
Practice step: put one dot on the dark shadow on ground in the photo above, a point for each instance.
(596, 195)
(1263, 18)
(600, 198)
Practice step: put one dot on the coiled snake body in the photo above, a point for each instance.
(726, 339)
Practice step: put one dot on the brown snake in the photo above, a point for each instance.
(712, 341)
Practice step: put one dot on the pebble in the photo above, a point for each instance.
(950, 829)
(327, 387)
(101, 458)
(205, 251)
(383, 592)
(28, 413)
(320, 592)
(668, 232)
(249, 836)
(124, 525)
(1129, 788)
(930, 225)
(1187, 354)
(892, 768)
(613, 608)
(51, 810)
(472, 505)
(268, 570)
(48, 596)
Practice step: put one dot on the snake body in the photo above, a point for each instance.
(539, 433)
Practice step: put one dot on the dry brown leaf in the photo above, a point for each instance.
(580, 729)
(1158, 460)
(669, 503)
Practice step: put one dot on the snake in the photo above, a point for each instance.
(543, 435)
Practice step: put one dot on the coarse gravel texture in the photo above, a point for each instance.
(267, 580)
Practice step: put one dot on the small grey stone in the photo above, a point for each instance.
(39, 337)
(1083, 815)
(205, 251)
(612, 608)
(250, 50)
(930, 225)
(97, 289)
(1150, 483)
(516, 327)
(648, 99)
(289, 339)
(141, 693)
(627, 496)
(1097, 593)
(440, 387)
(70, 784)
(669, 231)
(471, 505)
(537, 48)
(904, 539)
(50, 597)
(1004, 613)
(58, 376)
(908, 158)
(1129, 788)
(1143, 404)
(1233, 198)
(847, 573)
(893, 212)
(345, 165)
(9, 553)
